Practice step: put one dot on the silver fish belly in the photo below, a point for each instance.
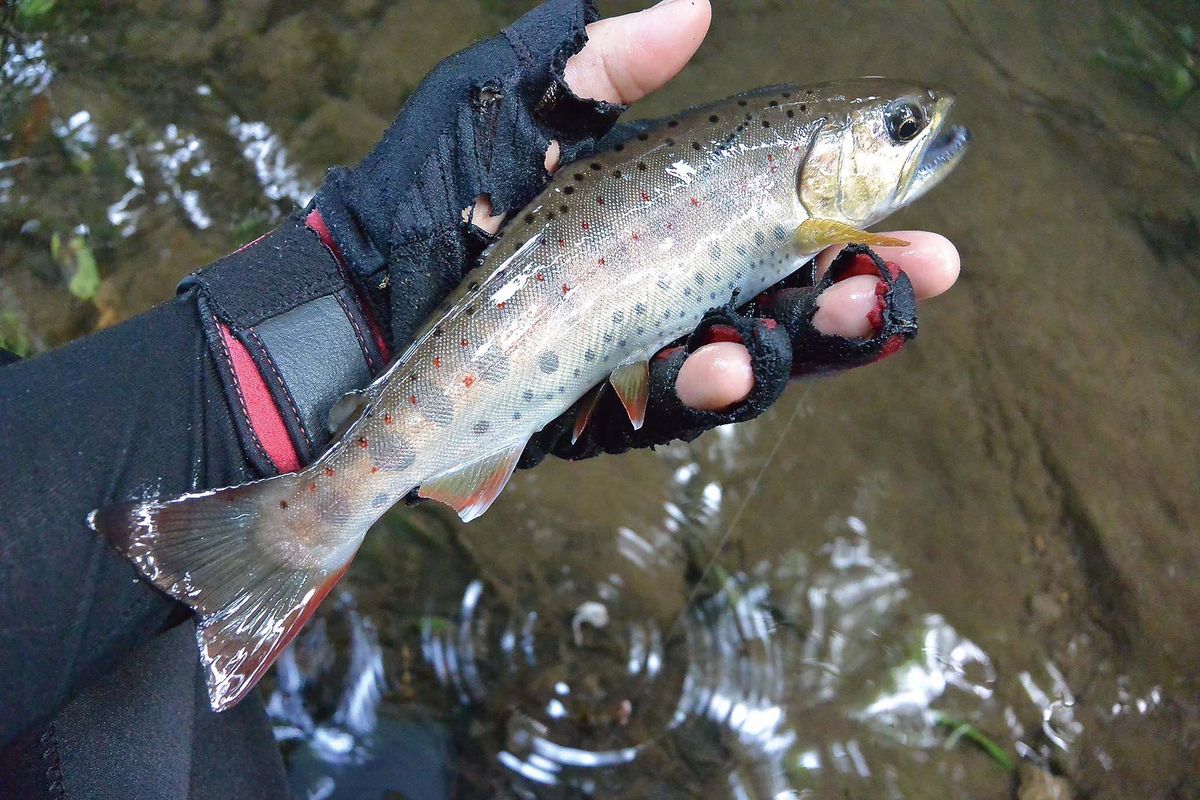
(619, 255)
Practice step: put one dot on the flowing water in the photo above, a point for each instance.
(973, 571)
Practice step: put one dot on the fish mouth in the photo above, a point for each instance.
(940, 157)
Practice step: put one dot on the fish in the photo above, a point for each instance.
(619, 255)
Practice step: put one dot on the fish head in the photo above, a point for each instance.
(880, 145)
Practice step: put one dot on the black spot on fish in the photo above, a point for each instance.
(712, 295)
(472, 286)
(618, 316)
(695, 145)
(516, 415)
(773, 103)
(608, 337)
(622, 344)
(596, 165)
(640, 330)
(575, 372)
(670, 142)
(791, 113)
(787, 95)
(548, 361)
(740, 250)
(470, 310)
(564, 209)
(760, 239)
(749, 116)
(549, 215)
(766, 123)
(527, 394)
(619, 147)
(742, 103)
(568, 190)
(616, 173)
(780, 232)
(687, 292)
(641, 165)
(589, 355)
(643, 137)
(714, 251)
(698, 278)
(481, 427)
(640, 308)
(714, 118)
(673, 123)
(436, 407)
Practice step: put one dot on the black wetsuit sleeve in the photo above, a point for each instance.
(136, 409)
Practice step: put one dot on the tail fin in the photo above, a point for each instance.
(225, 554)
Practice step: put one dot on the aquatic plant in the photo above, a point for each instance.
(960, 730)
(1159, 54)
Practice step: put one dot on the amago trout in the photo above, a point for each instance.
(617, 257)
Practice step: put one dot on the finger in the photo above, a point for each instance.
(628, 57)
(715, 377)
(930, 260)
(842, 309)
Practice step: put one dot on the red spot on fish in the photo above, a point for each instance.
(362, 441)
(437, 362)
(584, 225)
(502, 304)
(566, 288)
(467, 381)
(635, 236)
(695, 202)
(539, 277)
(645, 197)
(412, 398)
(329, 472)
(463, 343)
(669, 225)
(796, 148)
(312, 487)
(561, 244)
(374, 470)
(599, 201)
(283, 505)
(601, 261)
(387, 419)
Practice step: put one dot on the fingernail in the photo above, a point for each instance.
(844, 309)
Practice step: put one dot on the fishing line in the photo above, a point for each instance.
(737, 516)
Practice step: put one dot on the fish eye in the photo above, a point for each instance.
(904, 121)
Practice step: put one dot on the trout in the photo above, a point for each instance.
(619, 255)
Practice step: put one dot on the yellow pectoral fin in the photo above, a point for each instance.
(814, 235)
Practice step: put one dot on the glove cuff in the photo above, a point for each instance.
(289, 335)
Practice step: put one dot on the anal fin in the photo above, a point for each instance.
(632, 384)
(816, 234)
(471, 488)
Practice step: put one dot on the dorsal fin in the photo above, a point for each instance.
(632, 384)
(471, 488)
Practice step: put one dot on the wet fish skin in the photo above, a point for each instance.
(619, 255)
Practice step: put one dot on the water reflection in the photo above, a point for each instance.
(773, 680)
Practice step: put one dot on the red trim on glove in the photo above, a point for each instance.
(316, 223)
(259, 406)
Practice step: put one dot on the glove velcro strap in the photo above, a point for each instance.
(289, 336)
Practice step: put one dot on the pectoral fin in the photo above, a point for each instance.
(632, 384)
(815, 235)
(472, 488)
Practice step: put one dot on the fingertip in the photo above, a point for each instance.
(930, 260)
(629, 56)
(715, 377)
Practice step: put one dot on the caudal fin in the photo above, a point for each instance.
(225, 555)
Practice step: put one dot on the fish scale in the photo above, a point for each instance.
(619, 255)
